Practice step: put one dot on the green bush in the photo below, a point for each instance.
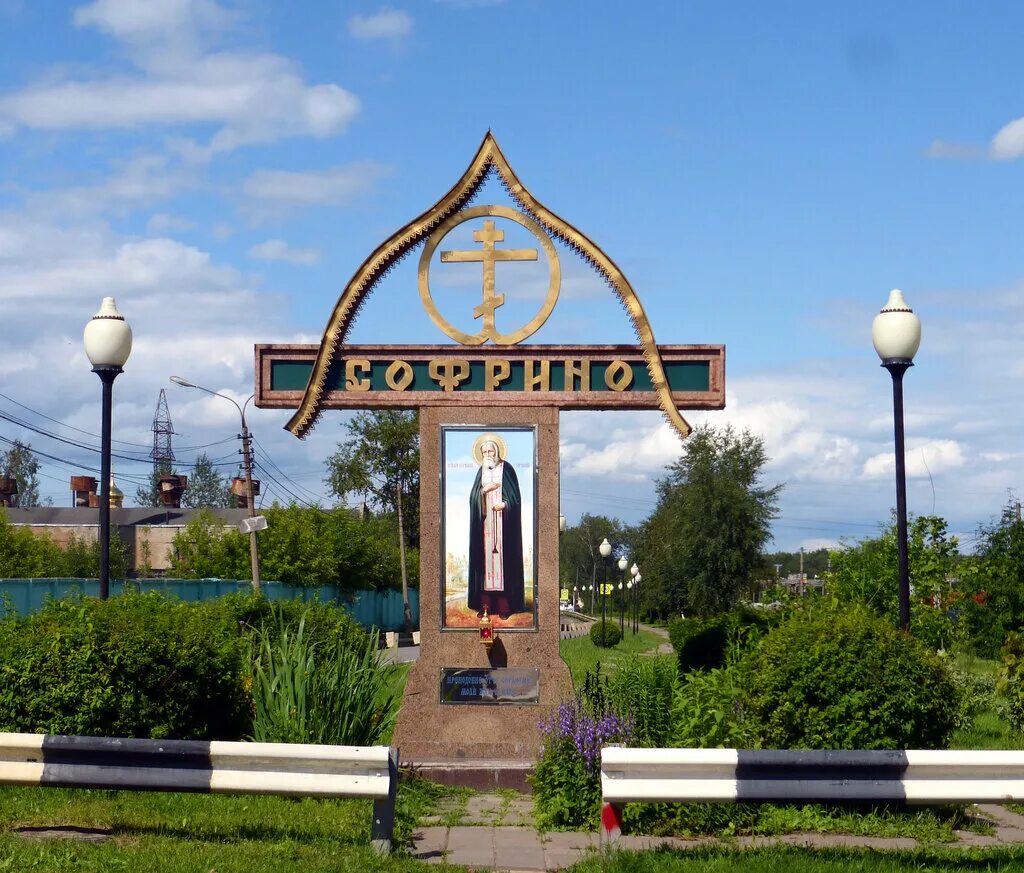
(132, 666)
(309, 692)
(605, 634)
(1010, 681)
(975, 693)
(707, 711)
(642, 690)
(700, 643)
(703, 643)
(847, 679)
(324, 623)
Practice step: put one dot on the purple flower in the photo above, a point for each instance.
(588, 733)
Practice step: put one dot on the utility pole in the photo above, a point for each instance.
(254, 553)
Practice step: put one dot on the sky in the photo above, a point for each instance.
(764, 174)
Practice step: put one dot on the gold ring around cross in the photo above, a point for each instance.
(488, 255)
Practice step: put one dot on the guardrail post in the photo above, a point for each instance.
(383, 828)
(611, 822)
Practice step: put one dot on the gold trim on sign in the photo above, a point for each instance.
(488, 158)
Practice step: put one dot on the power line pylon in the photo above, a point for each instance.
(163, 453)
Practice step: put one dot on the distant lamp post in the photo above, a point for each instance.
(254, 554)
(634, 571)
(636, 602)
(896, 334)
(623, 563)
(108, 343)
(606, 552)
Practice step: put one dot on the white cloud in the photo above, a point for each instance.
(812, 544)
(135, 21)
(939, 148)
(243, 96)
(923, 458)
(136, 182)
(386, 24)
(335, 186)
(1008, 143)
(279, 250)
(163, 222)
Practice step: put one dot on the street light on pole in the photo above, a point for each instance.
(606, 550)
(254, 554)
(636, 602)
(896, 335)
(634, 571)
(108, 343)
(623, 563)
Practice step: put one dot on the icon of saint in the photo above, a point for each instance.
(495, 532)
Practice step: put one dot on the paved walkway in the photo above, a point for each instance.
(494, 832)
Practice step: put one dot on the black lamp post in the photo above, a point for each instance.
(108, 343)
(896, 334)
(254, 554)
(606, 551)
(634, 571)
(623, 563)
(636, 602)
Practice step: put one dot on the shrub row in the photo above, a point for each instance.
(144, 665)
(824, 678)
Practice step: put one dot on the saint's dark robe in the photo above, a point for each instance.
(505, 533)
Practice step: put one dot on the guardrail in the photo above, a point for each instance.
(217, 767)
(914, 776)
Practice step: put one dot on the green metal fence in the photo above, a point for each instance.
(382, 609)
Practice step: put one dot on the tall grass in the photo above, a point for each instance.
(334, 694)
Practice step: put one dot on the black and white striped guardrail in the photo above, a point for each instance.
(217, 767)
(914, 776)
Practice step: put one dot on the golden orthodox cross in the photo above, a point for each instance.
(488, 255)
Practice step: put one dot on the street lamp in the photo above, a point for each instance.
(896, 334)
(636, 602)
(623, 563)
(606, 550)
(108, 343)
(254, 554)
(634, 571)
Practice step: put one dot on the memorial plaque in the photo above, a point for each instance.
(476, 685)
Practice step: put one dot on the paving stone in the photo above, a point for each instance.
(484, 809)
(1002, 815)
(429, 844)
(471, 846)
(64, 832)
(822, 841)
(971, 840)
(518, 848)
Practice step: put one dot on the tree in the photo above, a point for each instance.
(301, 546)
(867, 572)
(993, 582)
(380, 461)
(206, 486)
(704, 539)
(19, 463)
(579, 559)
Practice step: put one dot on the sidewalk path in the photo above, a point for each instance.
(493, 832)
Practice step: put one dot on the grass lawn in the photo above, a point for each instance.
(198, 832)
(794, 860)
(581, 654)
(990, 728)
